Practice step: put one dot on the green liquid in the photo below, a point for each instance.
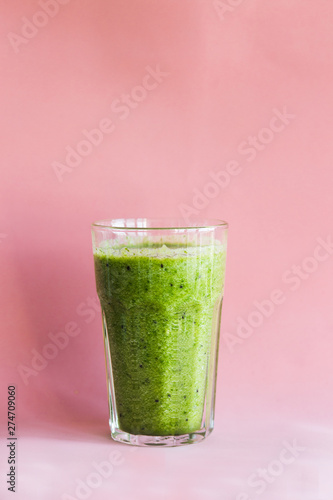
(158, 305)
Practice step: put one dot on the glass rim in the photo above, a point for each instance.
(158, 224)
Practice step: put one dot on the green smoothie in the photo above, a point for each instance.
(158, 305)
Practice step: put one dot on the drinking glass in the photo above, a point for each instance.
(160, 284)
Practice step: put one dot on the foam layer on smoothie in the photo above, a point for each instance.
(156, 250)
(158, 304)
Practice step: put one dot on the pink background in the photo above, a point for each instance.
(224, 74)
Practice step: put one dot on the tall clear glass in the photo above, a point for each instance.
(160, 286)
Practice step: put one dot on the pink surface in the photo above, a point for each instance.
(203, 109)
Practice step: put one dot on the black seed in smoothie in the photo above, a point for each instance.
(186, 419)
(162, 266)
(157, 400)
(141, 366)
(121, 415)
(171, 284)
(197, 390)
(154, 322)
(107, 265)
(128, 268)
(181, 286)
(169, 395)
(184, 397)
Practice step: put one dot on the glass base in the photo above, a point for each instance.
(169, 441)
